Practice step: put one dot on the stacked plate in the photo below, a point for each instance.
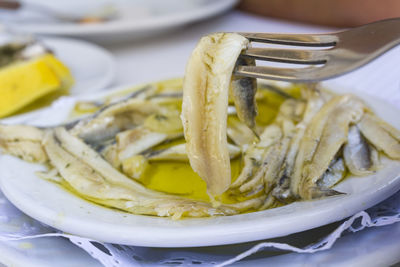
(128, 20)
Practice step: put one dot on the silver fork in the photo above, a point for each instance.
(347, 50)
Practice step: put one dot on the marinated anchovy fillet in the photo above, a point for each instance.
(243, 91)
(383, 136)
(361, 158)
(333, 174)
(204, 109)
(135, 141)
(112, 119)
(22, 141)
(255, 155)
(239, 133)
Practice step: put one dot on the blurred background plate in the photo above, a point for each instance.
(92, 67)
(134, 19)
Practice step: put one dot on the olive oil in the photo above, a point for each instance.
(179, 178)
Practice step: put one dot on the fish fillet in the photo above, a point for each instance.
(204, 109)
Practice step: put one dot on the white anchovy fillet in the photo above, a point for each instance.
(273, 160)
(382, 135)
(81, 176)
(83, 152)
(239, 133)
(135, 141)
(140, 93)
(23, 141)
(277, 161)
(156, 129)
(255, 155)
(360, 157)
(22, 132)
(112, 119)
(204, 109)
(243, 91)
(333, 174)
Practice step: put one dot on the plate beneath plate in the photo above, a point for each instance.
(135, 19)
(51, 204)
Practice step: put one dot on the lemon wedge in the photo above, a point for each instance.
(23, 82)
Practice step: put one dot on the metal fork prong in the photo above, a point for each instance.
(316, 40)
(288, 55)
(306, 74)
(348, 51)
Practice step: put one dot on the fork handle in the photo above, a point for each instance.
(10, 4)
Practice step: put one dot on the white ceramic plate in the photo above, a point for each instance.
(136, 18)
(56, 207)
(92, 67)
(384, 249)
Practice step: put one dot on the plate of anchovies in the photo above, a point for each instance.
(207, 160)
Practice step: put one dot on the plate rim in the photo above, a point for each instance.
(211, 8)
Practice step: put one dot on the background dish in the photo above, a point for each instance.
(92, 67)
(49, 203)
(136, 19)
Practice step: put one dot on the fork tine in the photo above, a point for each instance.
(287, 55)
(307, 74)
(321, 40)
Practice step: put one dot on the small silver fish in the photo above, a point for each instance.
(323, 138)
(383, 136)
(112, 119)
(360, 157)
(243, 91)
(333, 174)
